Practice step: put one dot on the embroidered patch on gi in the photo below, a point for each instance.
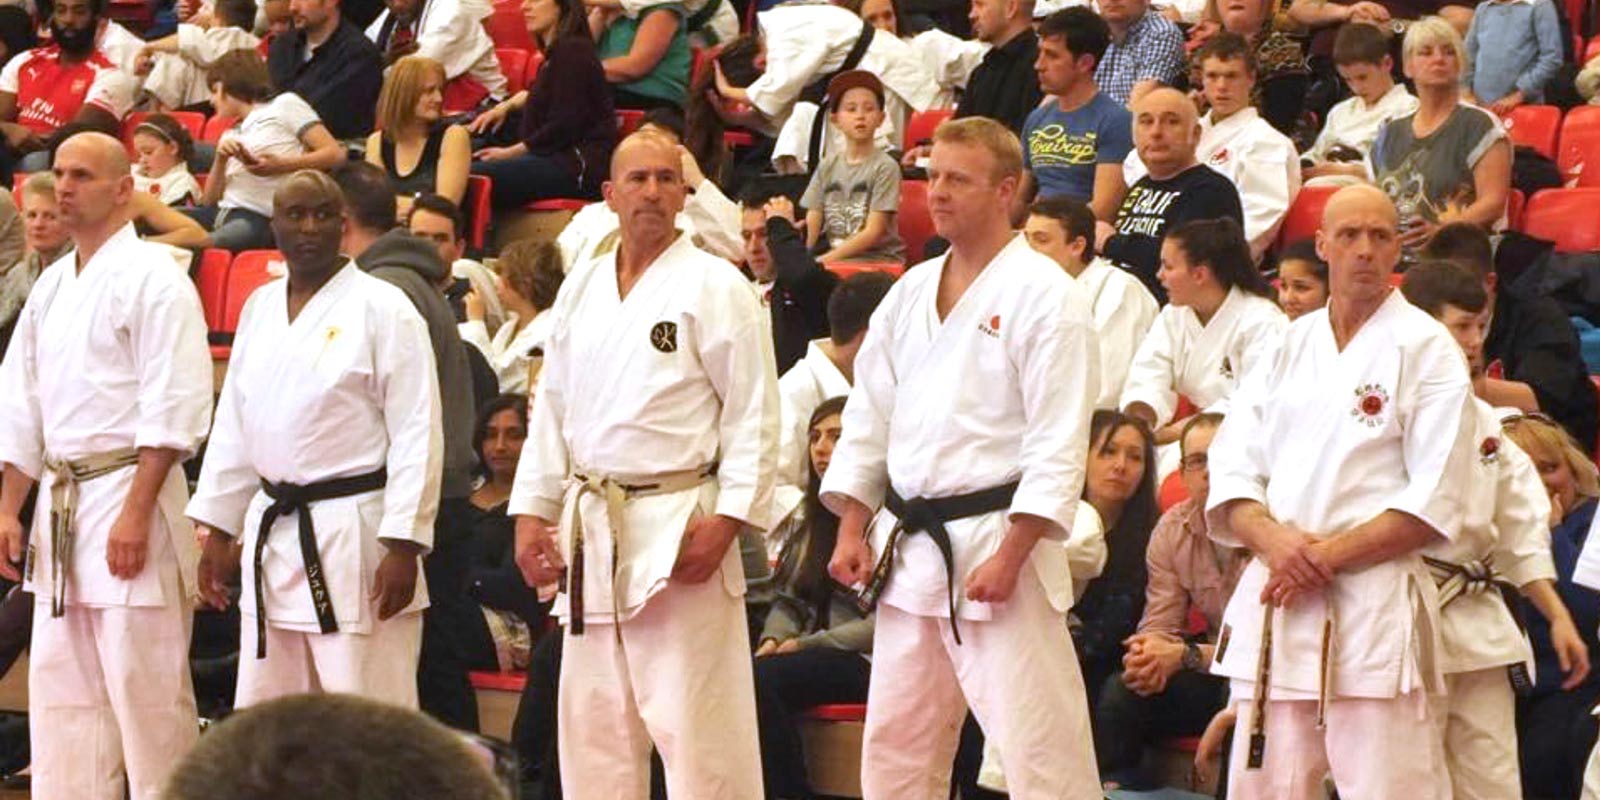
(1372, 401)
(1489, 451)
(992, 327)
(1227, 368)
(664, 337)
(1221, 157)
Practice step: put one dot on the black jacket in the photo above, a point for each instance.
(1535, 343)
(341, 81)
(800, 292)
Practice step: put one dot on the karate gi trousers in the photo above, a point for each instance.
(1477, 721)
(381, 665)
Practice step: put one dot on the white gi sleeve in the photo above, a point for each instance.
(1058, 369)
(792, 434)
(1268, 182)
(10, 75)
(21, 420)
(408, 388)
(716, 222)
(448, 36)
(1086, 548)
(1152, 377)
(1435, 408)
(1239, 463)
(113, 91)
(1521, 519)
(545, 462)
(1121, 323)
(166, 332)
(859, 468)
(794, 59)
(736, 354)
(228, 479)
(476, 333)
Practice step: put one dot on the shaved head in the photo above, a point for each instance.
(94, 185)
(644, 144)
(104, 150)
(646, 189)
(1360, 240)
(1165, 99)
(1166, 131)
(1359, 198)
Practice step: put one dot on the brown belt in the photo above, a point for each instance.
(67, 473)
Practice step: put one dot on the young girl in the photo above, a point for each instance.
(164, 148)
(1302, 279)
(530, 274)
(853, 196)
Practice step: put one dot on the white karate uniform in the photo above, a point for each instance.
(708, 216)
(672, 377)
(346, 388)
(451, 32)
(179, 79)
(1260, 162)
(813, 379)
(950, 60)
(511, 352)
(1123, 313)
(1326, 440)
(110, 357)
(120, 45)
(1001, 389)
(1354, 124)
(1505, 514)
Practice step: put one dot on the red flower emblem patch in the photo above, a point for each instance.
(1372, 401)
(991, 327)
(994, 322)
(1489, 451)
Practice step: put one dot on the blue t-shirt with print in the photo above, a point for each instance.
(1062, 148)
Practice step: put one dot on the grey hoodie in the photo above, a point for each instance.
(414, 266)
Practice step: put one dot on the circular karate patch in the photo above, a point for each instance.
(664, 337)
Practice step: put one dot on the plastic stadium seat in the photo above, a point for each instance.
(839, 712)
(212, 282)
(192, 121)
(508, 28)
(845, 269)
(556, 204)
(248, 273)
(1536, 127)
(1516, 202)
(476, 205)
(1305, 214)
(1172, 492)
(535, 63)
(513, 65)
(921, 125)
(1568, 217)
(501, 681)
(1590, 50)
(1579, 147)
(215, 127)
(916, 226)
(628, 120)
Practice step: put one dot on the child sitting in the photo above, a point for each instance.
(853, 196)
(1361, 54)
(1302, 279)
(174, 67)
(164, 147)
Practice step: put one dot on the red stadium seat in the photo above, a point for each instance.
(535, 63)
(1536, 127)
(838, 712)
(556, 204)
(513, 65)
(1516, 202)
(508, 28)
(916, 226)
(699, 61)
(845, 269)
(1172, 492)
(1568, 217)
(628, 120)
(1590, 50)
(1580, 147)
(247, 273)
(1305, 214)
(215, 127)
(921, 125)
(476, 205)
(501, 681)
(192, 121)
(212, 282)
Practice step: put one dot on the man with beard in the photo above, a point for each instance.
(327, 61)
(69, 80)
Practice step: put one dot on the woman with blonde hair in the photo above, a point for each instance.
(416, 148)
(530, 274)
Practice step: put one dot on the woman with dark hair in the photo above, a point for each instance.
(563, 144)
(703, 112)
(812, 647)
(1220, 313)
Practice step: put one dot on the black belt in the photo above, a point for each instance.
(290, 498)
(928, 515)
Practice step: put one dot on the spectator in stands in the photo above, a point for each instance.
(413, 144)
(793, 285)
(567, 130)
(327, 61)
(1448, 161)
(45, 241)
(276, 136)
(441, 222)
(530, 275)
(1282, 74)
(646, 55)
(174, 67)
(163, 147)
(363, 748)
(1361, 55)
(1323, 17)
(1513, 50)
(18, 32)
(1303, 279)
(1074, 143)
(813, 646)
(1146, 51)
(1063, 229)
(451, 34)
(1555, 729)
(1165, 688)
(509, 617)
(1261, 163)
(68, 80)
(1177, 188)
(853, 196)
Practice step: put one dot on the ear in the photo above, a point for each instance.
(606, 189)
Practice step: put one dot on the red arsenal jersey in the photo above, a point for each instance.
(50, 92)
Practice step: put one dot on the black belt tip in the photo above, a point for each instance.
(1258, 750)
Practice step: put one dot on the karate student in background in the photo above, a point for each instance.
(1362, 53)
(164, 147)
(1302, 279)
(107, 390)
(656, 413)
(174, 67)
(325, 464)
(1221, 320)
(1343, 454)
(450, 32)
(1063, 229)
(969, 424)
(1503, 546)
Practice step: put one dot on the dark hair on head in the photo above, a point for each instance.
(574, 20)
(1433, 284)
(517, 403)
(757, 192)
(666, 118)
(1305, 251)
(806, 568)
(1204, 419)
(239, 14)
(243, 75)
(1219, 245)
(1227, 46)
(738, 60)
(1462, 242)
(1081, 30)
(434, 203)
(1127, 540)
(1360, 43)
(533, 269)
(170, 130)
(851, 305)
(1074, 216)
(47, 9)
(369, 195)
(703, 127)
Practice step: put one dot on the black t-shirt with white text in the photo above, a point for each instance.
(1152, 207)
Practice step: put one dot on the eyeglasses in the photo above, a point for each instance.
(1194, 462)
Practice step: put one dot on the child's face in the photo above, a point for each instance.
(156, 155)
(1300, 290)
(1368, 81)
(858, 115)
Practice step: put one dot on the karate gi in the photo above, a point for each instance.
(1123, 313)
(347, 388)
(113, 357)
(1204, 363)
(1505, 519)
(708, 216)
(179, 79)
(451, 32)
(1000, 390)
(950, 60)
(813, 379)
(1327, 440)
(653, 389)
(1260, 162)
(1354, 124)
(511, 352)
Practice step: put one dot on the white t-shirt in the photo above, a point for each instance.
(174, 187)
(274, 128)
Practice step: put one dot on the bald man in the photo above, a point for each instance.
(1342, 456)
(651, 446)
(1175, 189)
(107, 391)
(325, 464)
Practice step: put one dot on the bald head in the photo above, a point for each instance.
(1361, 198)
(1165, 99)
(1166, 130)
(93, 185)
(309, 182)
(647, 145)
(308, 222)
(1360, 240)
(100, 149)
(646, 189)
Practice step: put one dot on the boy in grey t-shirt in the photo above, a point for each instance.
(853, 196)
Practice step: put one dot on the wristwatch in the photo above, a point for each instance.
(1191, 657)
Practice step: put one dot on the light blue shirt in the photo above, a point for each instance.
(1512, 44)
